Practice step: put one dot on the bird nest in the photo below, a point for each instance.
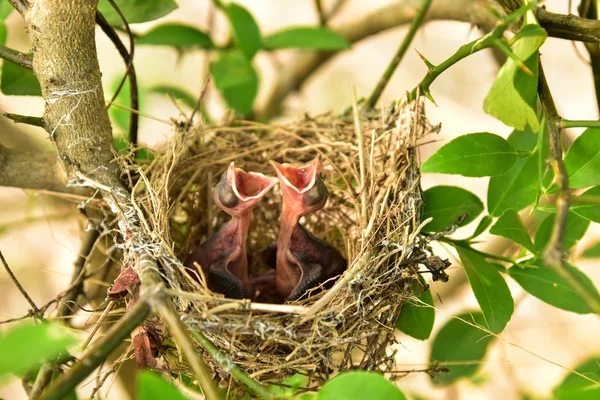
(371, 170)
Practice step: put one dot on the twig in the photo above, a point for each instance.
(16, 57)
(179, 331)
(18, 285)
(128, 58)
(572, 123)
(554, 253)
(391, 68)
(88, 242)
(42, 380)
(362, 161)
(320, 13)
(99, 351)
(227, 364)
(20, 5)
(464, 245)
(24, 119)
(570, 27)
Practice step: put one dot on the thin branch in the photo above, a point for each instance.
(235, 371)
(387, 75)
(128, 58)
(88, 242)
(35, 309)
(20, 5)
(42, 380)
(24, 119)
(464, 245)
(99, 351)
(320, 13)
(16, 57)
(554, 253)
(572, 123)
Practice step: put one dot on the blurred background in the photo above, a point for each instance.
(40, 233)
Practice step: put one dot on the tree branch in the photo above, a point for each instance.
(570, 27)
(20, 5)
(554, 253)
(31, 170)
(35, 309)
(16, 57)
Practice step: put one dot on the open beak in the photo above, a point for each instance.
(302, 187)
(239, 191)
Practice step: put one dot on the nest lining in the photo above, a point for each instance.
(371, 169)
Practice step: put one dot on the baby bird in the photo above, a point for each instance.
(223, 257)
(303, 261)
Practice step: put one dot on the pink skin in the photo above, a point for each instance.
(303, 261)
(223, 257)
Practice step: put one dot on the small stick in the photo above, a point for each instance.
(361, 156)
(36, 310)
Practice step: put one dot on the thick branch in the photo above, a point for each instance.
(31, 170)
(66, 65)
(569, 26)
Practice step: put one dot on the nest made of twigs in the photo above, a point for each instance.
(371, 169)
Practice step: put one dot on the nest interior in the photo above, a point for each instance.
(371, 170)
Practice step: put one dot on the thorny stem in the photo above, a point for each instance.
(571, 123)
(99, 351)
(554, 253)
(35, 309)
(387, 75)
(227, 364)
(16, 57)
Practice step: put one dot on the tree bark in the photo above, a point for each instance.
(65, 62)
(31, 170)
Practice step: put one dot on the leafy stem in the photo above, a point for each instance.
(573, 123)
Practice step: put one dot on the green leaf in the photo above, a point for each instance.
(152, 386)
(475, 154)
(513, 96)
(590, 212)
(318, 38)
(418, 315)
(548, 286)
(574, 231)
(519, 187)
(175, 93)
(136, 11)
(176, 35)
(593, 251)
(574, 386)
(244, 28)
(447, 204)
(19, 81)
(359, 385)
(489, 288)
(460, 346)
(510, 226)
(236, 79)
(583, 159)
(27, 345)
